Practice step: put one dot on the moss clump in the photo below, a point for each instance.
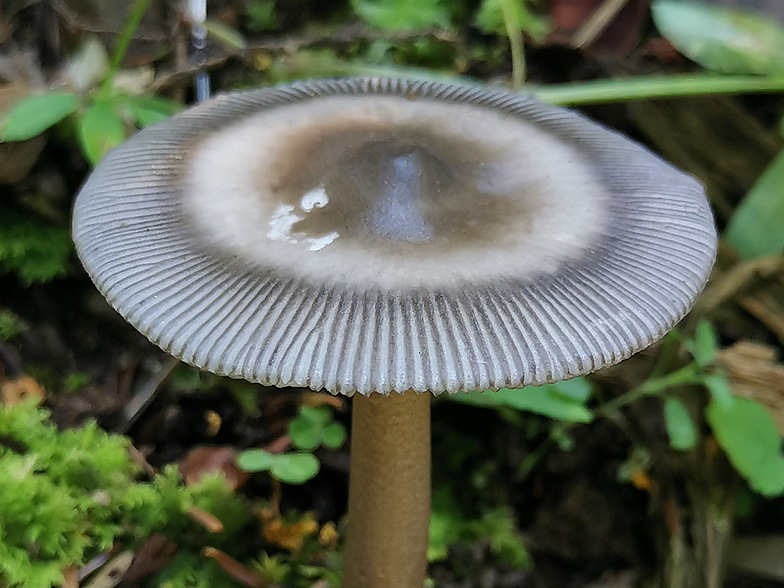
(69, 495)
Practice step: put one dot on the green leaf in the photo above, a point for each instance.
(149, 110)
(499, 527)
(756, 228)
(255, 460)
(144, 117)
(748, 435)
(402, 14)
(158, 103)
(722, 39)
(10, 325)
(304, 433)
(719, 387)
(33, 250)
(318, 415)
(294, 468)
(705, 343)
(680, 427)
(576, 389)
(224, 34)
(260, 14)
(100, 130)
(34, 115)
(333, 435)
(545, 400)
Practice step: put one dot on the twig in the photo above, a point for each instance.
(590, 30)
(145, 395)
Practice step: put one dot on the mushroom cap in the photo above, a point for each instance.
(376, 235)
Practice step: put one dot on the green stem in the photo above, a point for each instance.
(688, 374)
(515, 45)
(134, 18)
(675, 86)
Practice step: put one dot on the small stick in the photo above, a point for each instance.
(597, 22)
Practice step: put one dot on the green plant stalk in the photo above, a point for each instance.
(134, 18)
(647, 88)
(688, 374)
(515, 45)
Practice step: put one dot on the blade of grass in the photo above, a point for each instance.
(647, 88)
(134, 18)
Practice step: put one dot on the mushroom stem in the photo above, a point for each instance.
(389, 492)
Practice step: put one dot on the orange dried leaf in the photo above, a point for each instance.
(328, 536)
(641, 481)
(70, 577)
(12, 392)
(288, 536)
(209, 460)
(213, 421)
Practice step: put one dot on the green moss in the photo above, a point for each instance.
(33, 250)
(10, 325)
(69, 495)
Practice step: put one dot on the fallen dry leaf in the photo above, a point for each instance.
(209, 460)
(328, 536)
(70, 577)
(213, 421)
(112, 572)
(610, 27)
(641, 481)
(288, 536)
(151, 557)
(320, 399)
(234, 568)
(754, 374)
(12, 392)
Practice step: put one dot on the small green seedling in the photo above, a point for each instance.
(744, 429)
(314, 426)
(102, 114)
(289, 468)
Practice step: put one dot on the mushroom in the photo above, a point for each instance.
(384, 239)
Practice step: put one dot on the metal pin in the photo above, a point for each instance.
(197, 9)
